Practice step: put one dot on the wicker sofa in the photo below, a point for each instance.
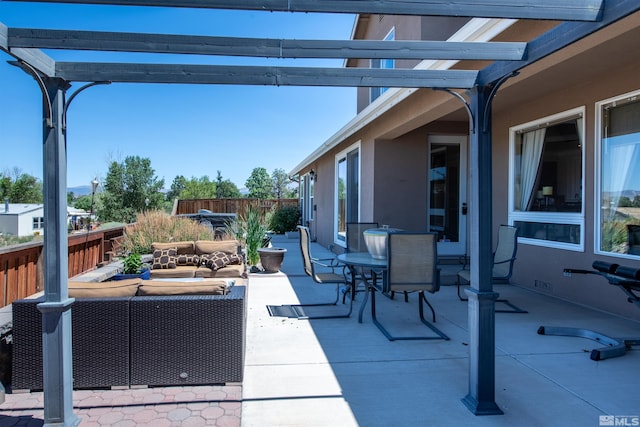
(140, 340)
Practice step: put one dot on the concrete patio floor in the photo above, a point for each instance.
(338, 372)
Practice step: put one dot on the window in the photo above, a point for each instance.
(38, 223)
(347, 187)
(307, 199)
(618, 176)
(375, 92)
(546, 170)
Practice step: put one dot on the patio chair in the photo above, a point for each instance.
(412, 267)
(356, 243)
(329, 276)
(503, 259)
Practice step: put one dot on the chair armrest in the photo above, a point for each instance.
(323, 262)
(330, 263)
(505, 261)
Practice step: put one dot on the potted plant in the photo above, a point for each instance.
(133, 267)
(251, 230)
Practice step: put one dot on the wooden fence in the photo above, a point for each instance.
(22, 266)
(238, 206)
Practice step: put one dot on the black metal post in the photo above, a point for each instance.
(481, 397)
(56, 310)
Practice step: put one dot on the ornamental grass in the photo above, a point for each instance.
(158, 226)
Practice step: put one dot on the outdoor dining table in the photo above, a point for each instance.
(363, 261)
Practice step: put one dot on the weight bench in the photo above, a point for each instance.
(628, 280)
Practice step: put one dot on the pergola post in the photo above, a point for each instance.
(56, 310)
(481, 397)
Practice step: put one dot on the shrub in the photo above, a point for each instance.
(285, 218)
(132, 263)
(10, 240)
(157, 226)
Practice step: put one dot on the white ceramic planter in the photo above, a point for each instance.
(376, 241)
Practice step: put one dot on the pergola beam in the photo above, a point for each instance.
(566, 10)
(262, 47)
(263, 75)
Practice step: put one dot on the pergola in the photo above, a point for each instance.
(582, 17)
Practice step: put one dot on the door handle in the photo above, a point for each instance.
(464, 209)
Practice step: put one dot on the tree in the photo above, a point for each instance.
(129, 188)
(624, 202)
(25, 189)
(199, 188)
(83, 202)
(178, 184)
(280, 181)
(226, 189)
(5, 186)
(259, 184)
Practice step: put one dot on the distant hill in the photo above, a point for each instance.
(82, 190)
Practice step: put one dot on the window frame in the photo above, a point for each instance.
(560, 218)
(377, 63)
(37, 223)
(597, 185)
(340, 156)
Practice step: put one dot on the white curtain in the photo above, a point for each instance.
(579, 130)
(532, 144)
(619, 153)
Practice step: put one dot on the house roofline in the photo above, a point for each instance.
(477, 29)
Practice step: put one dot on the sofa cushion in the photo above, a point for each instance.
(211, 246)
(229, 271)
(164, 258)
(216, 260)
(204, 287)
(181, 271)
(184, 247)
(188, 259)
(119, 288)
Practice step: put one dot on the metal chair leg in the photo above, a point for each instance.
(440, 334)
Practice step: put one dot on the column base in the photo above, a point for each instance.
(481, 408)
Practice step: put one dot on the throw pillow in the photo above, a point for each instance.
(235, 259)
(164, 258)
(188, 259)
(216, 260)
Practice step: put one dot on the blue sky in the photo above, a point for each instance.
(189, 130)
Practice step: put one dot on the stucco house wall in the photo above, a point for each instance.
(394, 150)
